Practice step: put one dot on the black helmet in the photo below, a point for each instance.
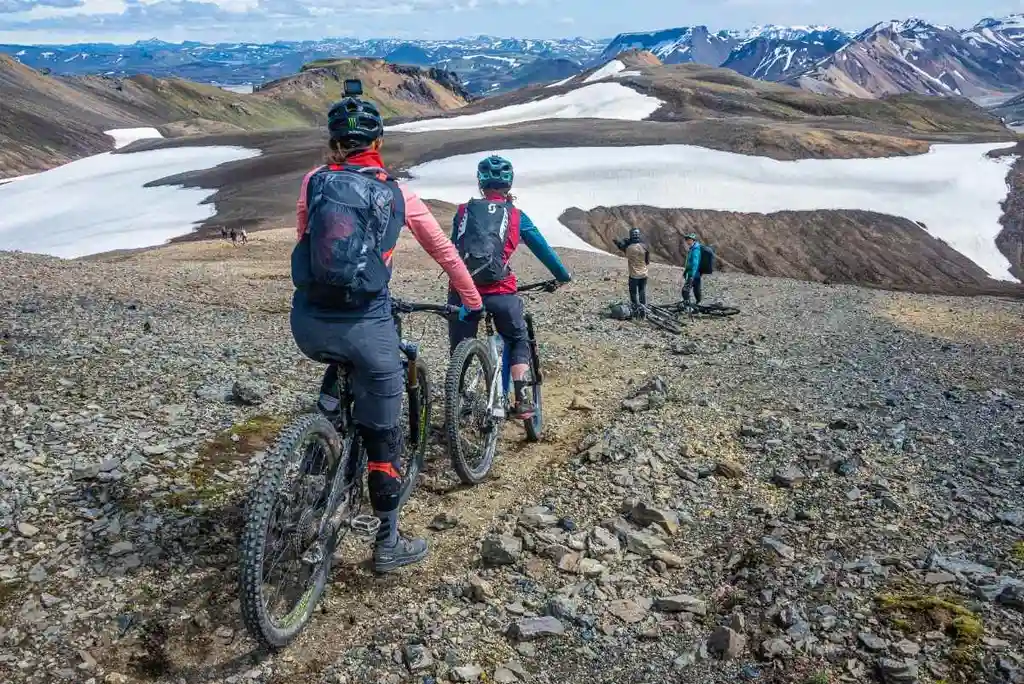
(634, 234)
(355, 121)
(494, 173)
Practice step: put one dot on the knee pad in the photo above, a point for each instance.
(383, 456)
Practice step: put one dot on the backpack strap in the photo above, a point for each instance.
(375, 171)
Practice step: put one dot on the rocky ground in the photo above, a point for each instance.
(826, 488)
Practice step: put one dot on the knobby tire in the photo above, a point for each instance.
(460, 363)
(259, 512)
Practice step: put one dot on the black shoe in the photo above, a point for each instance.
(523, 408)
(390, 557)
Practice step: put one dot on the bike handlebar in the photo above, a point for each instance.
(545, 285)
(403, 307)
(400, 306)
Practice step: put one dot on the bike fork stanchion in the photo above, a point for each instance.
(506, 368)
(535, 355)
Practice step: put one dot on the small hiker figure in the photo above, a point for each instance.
(700, 260)
(223, 232)
(638, 258)
(244, 237)
(234, 237)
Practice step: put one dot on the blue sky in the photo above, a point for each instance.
(55, 21)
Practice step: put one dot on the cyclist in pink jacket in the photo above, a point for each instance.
(350, 213)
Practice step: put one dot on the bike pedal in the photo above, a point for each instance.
(498, 413)
(365, 524)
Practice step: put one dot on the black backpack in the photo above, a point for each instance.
(480, 238)
(707, 260)
(620, 312)
(355, 216)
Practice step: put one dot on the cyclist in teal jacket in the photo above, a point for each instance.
(495, 225)
(691, 274)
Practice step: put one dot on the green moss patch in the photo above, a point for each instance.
(917, 613)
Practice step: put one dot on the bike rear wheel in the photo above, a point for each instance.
(468, 388)
(417, 412)
(290, 500)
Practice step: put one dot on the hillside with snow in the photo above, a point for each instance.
(915, 56)
(895, 56)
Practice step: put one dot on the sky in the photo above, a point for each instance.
(64, 21)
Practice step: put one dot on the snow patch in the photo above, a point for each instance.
(954, 190)
(560, 83)
(99, 203)
(597, 101)
(610, 69)
(126, 136)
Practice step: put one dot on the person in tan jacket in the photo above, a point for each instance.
(638, 258)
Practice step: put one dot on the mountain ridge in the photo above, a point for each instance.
(34, 137)
(891, 56)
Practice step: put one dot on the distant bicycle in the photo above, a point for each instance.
(660, 317)
(714, 310)
(476, 402)
(309, 494)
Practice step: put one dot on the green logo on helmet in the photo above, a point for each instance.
(351, 122)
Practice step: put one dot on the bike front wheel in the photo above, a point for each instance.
(470, 425)
(535, 425)
(284, 559)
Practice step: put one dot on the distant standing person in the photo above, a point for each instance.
(638, 258)
(698, 260)
(223, 232)
(234, 236)
(244, 237)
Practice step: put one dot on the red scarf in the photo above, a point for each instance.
(369, 157)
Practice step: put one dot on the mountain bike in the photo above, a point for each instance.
(309, 495)
(715, 310)
(661, 318)
(475, 401)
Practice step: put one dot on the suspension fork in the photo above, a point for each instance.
(411, 351)
(538, 377)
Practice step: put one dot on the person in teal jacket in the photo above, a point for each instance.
(691, 274)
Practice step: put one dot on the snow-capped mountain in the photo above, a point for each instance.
(767, 52)
(676, 45)
(776, 54)
(896, 56)
(481, 61)
(915, 56)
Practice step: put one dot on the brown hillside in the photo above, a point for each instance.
(48, 121)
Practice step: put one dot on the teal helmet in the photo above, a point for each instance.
(494, 173)
(691, 236)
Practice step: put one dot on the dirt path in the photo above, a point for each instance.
(190, 626)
